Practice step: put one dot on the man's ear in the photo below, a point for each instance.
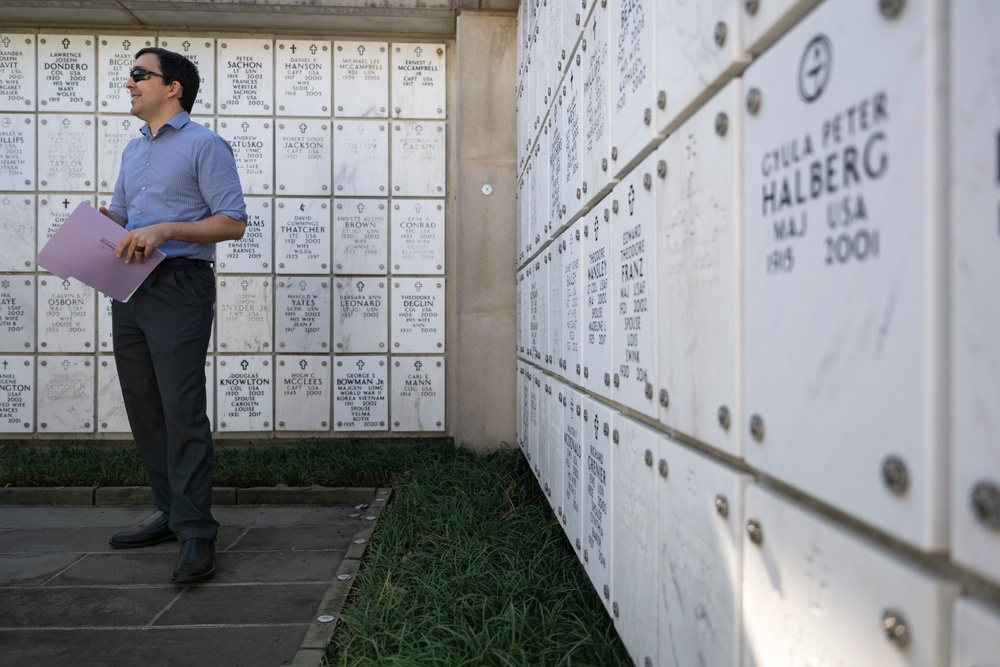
(175, 89)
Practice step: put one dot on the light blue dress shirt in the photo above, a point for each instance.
(183, 174)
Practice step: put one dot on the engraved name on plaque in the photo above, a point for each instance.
(201, 51)
(304, 77)
(597, 498)
(244, 393)
(302, 394)
(302, 236)
(595, 308)
(417, 236)
(572, 314)
(17, 313)
(303, 157)
(418, 315)
(302, 314)
(418, 158)
(17, 72)
(418, 394)
(17, 394)
(113, 132)
(360, 236)
(65, 394)
(361, 395)
(17, 152)
(633, 39)
(253, 148)
(361, 314)
(596, 101)
(418, 80)
(66, 73)
(66, 147)
(111, 417)
(252, 253)
(361, 79)
(115, 57)
(361, 158)
(246, 81)
(66, 315)
(244, 314)
(17, 252)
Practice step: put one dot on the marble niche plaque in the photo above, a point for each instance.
(573, 469)
(303, 156)
(418, 80)
(17, 313)
(243, 313)
(418, 229)
(201, 51)
(361, 79)
(596, 102)
(359, 236)
(53, 209)
(571, 108)
(570, 246)
(17, 252)
(302, 236)
(66, 315)
(17, 72)
(17, 152)
(17, 394)
(66, 147)
(633, 95)
(304, 77)
(361, 158)
(254, 252)
(66, 73)
(361, 314)
(361, 394)
(596, 319)
(418, 315)
(111, 417)
(65, 393)
(113, 134)
(115, 57)
(302, 314)
(244, 393)
(210, 388)
(555, 304)
(418, 158)
(418, 394)
(302, 394)
(253, 148)
(598, 501)
(246, 81)
(105, 341)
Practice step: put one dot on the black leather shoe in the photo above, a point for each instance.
(196, 562)
(154, 533)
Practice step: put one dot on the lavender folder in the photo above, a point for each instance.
(84, 248)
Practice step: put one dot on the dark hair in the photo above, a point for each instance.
(175, 67)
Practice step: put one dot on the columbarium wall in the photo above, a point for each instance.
(758, 365)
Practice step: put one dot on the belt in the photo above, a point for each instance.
(186, 261)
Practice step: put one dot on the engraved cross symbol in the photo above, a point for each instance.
(65, 123)
(361, 208)
(245, 126)
(360, 285)
(126, 45)
(65, 203)
(245, 284)
(6, 44)
(631, 200)
(5, 364)
(418, 208)
(313, 48)
(361, 364)
(293, 48)
(597, 427)
(418, 129)
(418, 51)
(303, 364)
(596, 224)
(186, 45)
(303, 127)
(66, 284)
(65, 43)
(418, 286)
(126, 125)
(65, 364)
(361, 49)
(417, 366)
(814, 68)
(302, 285)
(244, 364)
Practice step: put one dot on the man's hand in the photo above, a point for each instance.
(139, 244)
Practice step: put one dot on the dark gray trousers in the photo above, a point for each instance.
(161, 338)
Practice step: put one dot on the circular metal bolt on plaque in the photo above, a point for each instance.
(614, 436)
(664, 468)
(891, 9)
(648, 662)
(647, 181)
(751, 6)
(661, 99)
(661, 168)
(720, 33)
(754, 531)
(722, 505)
(607, 428)
(753, 101)
(895, 628)
(649, 390)
(757, 428)
(721, 124)
(607, 592)
(614, 608)
(647, 116)
(986, 504)
(664, 398)
(648, 458)
(617, 381)
(895, 475)
(724, 417)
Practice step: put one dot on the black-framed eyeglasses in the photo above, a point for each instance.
(140, 74)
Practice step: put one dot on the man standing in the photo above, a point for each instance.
(177, 191)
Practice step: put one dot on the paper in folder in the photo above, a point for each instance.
(84, 248)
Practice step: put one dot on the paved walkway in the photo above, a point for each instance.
(67, 598)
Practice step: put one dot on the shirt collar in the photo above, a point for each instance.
(177, 122)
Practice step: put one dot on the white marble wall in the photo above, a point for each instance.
(778, 251)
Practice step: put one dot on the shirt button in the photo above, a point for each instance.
(147, 164)
(143, 188)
